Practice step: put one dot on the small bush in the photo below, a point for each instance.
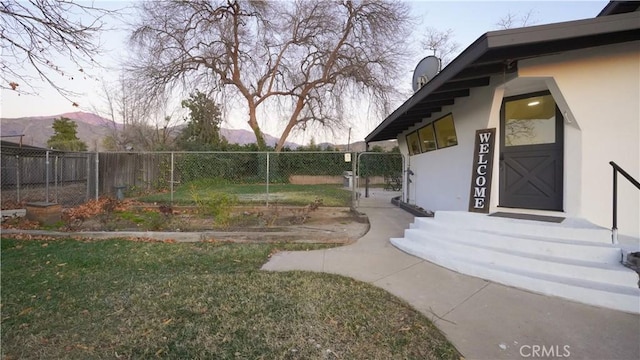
(154, 221)
(219, 205)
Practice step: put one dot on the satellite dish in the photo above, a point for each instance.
(427, 68)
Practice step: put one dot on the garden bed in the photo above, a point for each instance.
(241, 223)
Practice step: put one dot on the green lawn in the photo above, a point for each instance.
(67, 299)
(285, 194)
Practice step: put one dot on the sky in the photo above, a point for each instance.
(468, 20)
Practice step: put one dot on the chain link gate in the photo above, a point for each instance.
(379, 172)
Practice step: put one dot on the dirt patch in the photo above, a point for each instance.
(307, 224)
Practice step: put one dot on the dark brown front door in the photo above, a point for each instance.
(531, 153)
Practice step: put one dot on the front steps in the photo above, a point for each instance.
(574, 259)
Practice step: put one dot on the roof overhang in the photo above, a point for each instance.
(619, 7)
(498, 52)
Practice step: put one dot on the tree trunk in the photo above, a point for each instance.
(283, 137)
(253, 123)
(293, 120)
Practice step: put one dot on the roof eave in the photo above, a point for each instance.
(470, 54)
(619, 7)
(512, 38)
(563, 31)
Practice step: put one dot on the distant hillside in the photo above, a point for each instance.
(38, 129)
(93, 128)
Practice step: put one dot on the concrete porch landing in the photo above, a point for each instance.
(483, 319)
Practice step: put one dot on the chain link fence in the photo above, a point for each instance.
(31, 174)
(375, 168)
(261, 178)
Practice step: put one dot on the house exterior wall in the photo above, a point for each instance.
(441, 179)
(597, 91)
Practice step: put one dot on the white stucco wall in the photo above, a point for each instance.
(442, 177)
(598, 92)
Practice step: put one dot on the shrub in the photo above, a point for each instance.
(219, 205)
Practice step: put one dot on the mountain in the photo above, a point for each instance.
(38, 129)
(93, 128)
(87, 118)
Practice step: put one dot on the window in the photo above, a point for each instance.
(413, 143)
(445, 132)
(436, 135)
(427, 138)
(530, 121)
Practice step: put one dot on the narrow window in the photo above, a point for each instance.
(445, 132)
(427, 138)
(413, 143)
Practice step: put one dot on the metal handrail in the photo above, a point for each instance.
(617, 169)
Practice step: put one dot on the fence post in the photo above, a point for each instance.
(267, 179)
(46, 170)
(88, 175)
(55, 177)
(97, 173)
(404, 190)
(18, 167)
(366, 182)
(171, 186)
(354, 179)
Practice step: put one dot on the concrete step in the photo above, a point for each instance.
(570, 229)
(573, 259)
(623, 298)
(607, 273)
(552, 247)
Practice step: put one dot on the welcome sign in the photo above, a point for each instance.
(482, 169)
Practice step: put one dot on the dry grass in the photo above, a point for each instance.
(130, 300)
(283, 194)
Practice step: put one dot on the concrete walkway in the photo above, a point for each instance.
(484, 320)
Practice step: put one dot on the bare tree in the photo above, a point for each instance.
(440, 43)
(304, 59)
(35, 33)
(137, 121)
(511, 20)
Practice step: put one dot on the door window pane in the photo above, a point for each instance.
(530, 121)
(427, 138)
(446, 132)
